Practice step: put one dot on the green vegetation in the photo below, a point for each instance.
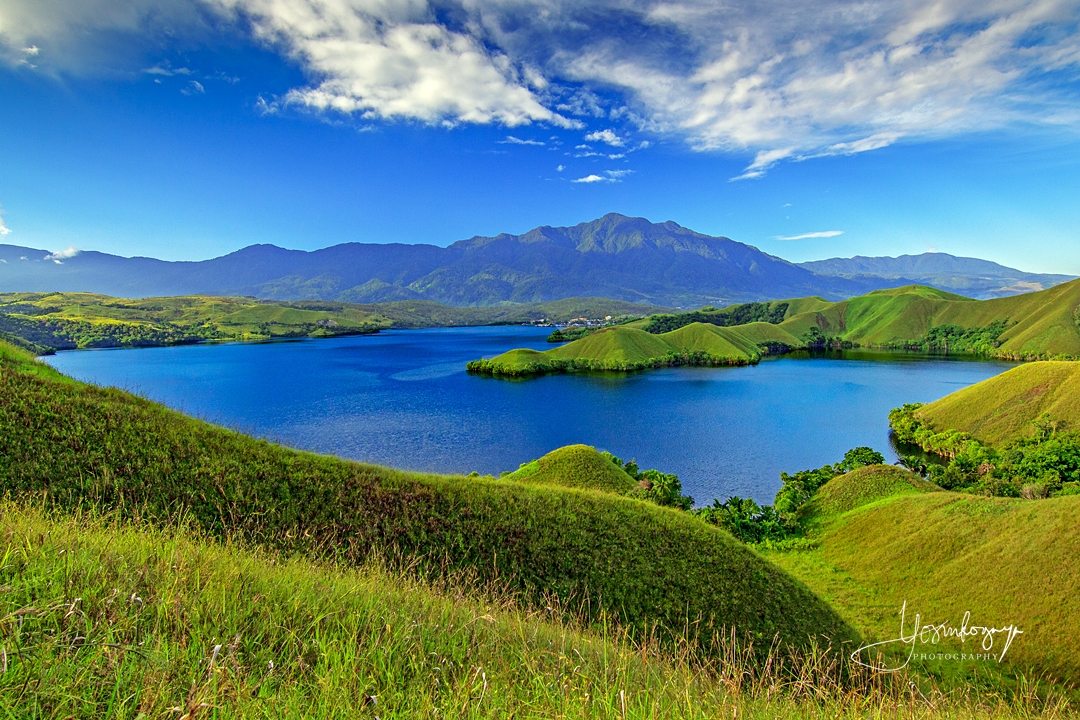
(107, 619)
(578, 466)
(1007, 406)
(44, 322)
(628, 348)
(1046, 464)
(943, 553)
(650, 569)
(866, 485)
(785, 518)
(1023, 327)
(744, 314)
(153, 562)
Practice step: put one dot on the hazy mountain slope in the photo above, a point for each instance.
(969, 276)
(616, 257)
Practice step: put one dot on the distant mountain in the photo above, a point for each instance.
(968, 276)
(616, 257)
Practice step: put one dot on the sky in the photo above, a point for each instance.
(186, 129)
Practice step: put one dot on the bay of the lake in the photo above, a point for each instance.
(403, 398)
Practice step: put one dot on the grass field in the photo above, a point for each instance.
(1006, 406)
(1024, 327)
(881, 539)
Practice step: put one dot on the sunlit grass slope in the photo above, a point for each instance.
(630, 348)
(102, 619)
(1040, 324)
(1004, 407)
(1037, 325)
(864, 486)
(579, 466)
(79, 446)
(1006, 561)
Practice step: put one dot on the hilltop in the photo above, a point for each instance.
(1022, 327)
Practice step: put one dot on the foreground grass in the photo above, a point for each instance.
(650, 568)
(1007, 561)
(100, 618)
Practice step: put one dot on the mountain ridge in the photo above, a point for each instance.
(615, 256)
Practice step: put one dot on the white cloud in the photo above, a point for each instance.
(2, 260)
(70, 252)
(4, 229)
(560, 168)
(606, 136)
(511, 140)
(609, 176)
(809, 235)
(392, 59)
(194, 87)
(776, 80)
(166, 70)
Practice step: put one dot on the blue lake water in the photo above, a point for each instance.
(402, 398)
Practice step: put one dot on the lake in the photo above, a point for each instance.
(402, 398)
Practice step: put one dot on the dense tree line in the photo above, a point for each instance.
(1046, 464)
(784, 519)
(735, 315)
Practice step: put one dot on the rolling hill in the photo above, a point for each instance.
(884, 537)
(650, 569)
(1026, 327)
(975, 278)
(42, 322)
(1005, 407)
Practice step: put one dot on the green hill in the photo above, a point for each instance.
(578, 466)
(864, 486)
(64, 321)
(1007, 562)
(631, 348)
(1026, 327)
(1006, 406)
(79, 446)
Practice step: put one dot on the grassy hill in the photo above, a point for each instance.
(1025, 327)
(649, 568)
(631, 348)
(1006, 406)
(578, 466)
(62, 321)
(882, 539)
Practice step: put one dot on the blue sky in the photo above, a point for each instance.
(185, 129)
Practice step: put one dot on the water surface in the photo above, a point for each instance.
(402, 398)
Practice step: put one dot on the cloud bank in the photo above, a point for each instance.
(779, 80)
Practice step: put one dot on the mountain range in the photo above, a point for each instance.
(615, 256)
